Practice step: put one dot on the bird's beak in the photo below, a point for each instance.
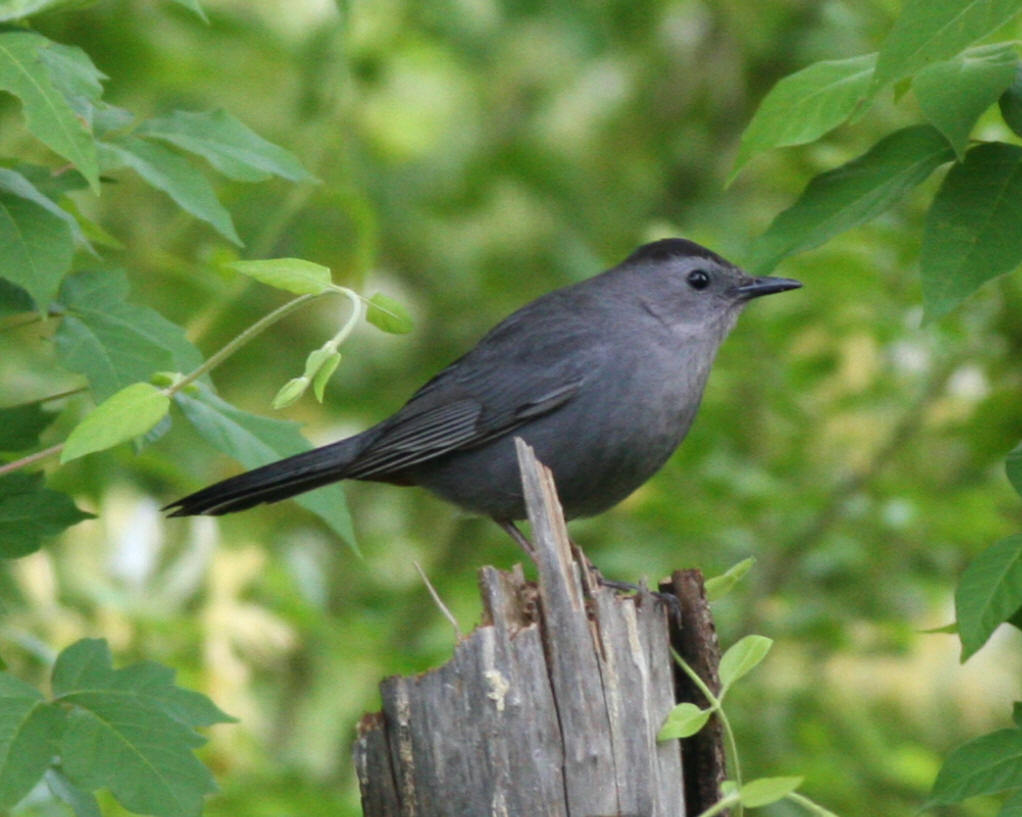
(755, 287)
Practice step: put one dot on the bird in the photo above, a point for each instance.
(603, 378)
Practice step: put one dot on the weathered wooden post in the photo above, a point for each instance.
(552, 705)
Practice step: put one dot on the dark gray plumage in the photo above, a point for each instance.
(602, 378)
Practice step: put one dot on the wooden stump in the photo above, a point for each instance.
(550, 707)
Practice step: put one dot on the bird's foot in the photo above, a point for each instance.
(669, 600)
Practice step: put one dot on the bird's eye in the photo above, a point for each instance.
(699, 279)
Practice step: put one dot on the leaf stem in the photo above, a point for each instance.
(49, 398)
(723, 803)
(31, 458)
(809, 805)
(233, 346)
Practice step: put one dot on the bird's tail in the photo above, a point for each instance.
(273, 482)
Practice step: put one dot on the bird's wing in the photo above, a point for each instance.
(525, 367)
(412, 437)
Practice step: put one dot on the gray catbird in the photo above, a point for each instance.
(601, 378)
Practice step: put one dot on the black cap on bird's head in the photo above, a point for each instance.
(703, 270)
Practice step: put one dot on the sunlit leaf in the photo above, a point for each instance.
(989, 592)
(29, 513)
(684, 721)
(719, 586)
(952, 94)
(971, 233)
(927, 31)
(172, 174)
(129, 413)
(290, 392)
(803, 106)
(387, 314)
(741, 658)
(290, 274)
(852, 194)
(767, 790)
(226, 143)
(324, 373)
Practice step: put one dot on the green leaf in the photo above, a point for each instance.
(193, 6)
(852, 194)
(112, 342)
(803, 106)
(985, 765)
(741, 658)
(20, 426)
(83, 803)
(387, 314)
(971, 233)
(227, 144)
(1010, 104)
(172, 174)
(1016, 713)
(129, 413)
(16, 183)
(684, 721)
(767, 790)
(37, 248)
(29, 512)
(290, 274)
(254, 441)
(720, 586)
(75, 75)
(49, 116)
(121, 736)
(290, 392)
(323, 374)
(952, 94)
(989, 592)
(932, 30)
(29, 731)
(1013, 467)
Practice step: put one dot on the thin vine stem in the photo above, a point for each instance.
(234, 345)
(31, 459)
(216, 359)
(729, 735)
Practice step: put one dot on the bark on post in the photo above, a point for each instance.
(550, 707)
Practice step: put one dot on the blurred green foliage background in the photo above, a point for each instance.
(473, 155)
